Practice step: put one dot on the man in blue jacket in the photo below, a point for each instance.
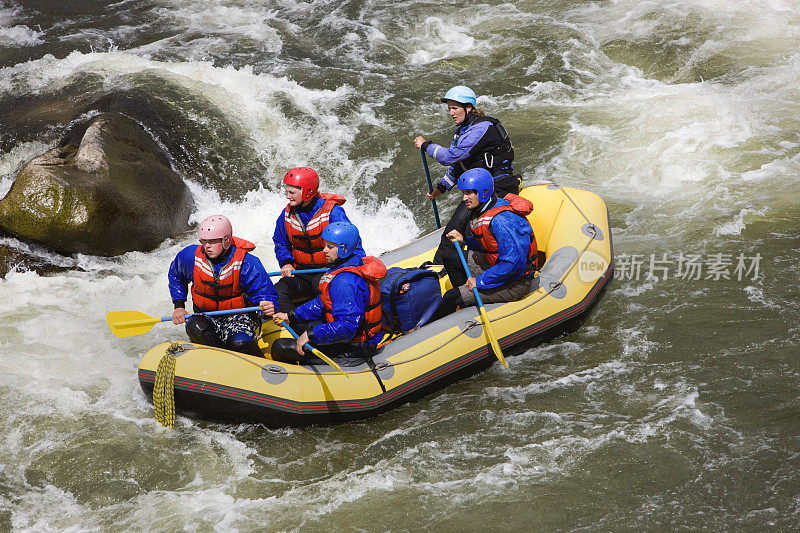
(501, 246)
(298, 231)
(344, 321)
(223, 275)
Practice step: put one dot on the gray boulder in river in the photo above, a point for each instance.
(107, 189)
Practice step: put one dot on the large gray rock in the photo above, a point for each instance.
(107, 190)
(204, 143)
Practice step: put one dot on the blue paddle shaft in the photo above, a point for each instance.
(295, 335)
(223, 312)
(430, 188)
(306, 271)
(484, 318)
(246, 309)
(466, 269)
(289, 329)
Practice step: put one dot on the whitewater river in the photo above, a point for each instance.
(674, 407)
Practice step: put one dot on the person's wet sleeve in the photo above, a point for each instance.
(180, 274)
(255, 282)
(512, 251)
(347, 309)
(283, 249)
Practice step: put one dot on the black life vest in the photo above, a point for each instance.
(494, 150)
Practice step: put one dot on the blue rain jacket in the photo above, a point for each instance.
(513, 234)
(253, 278)
(283, 248)
(349, 296)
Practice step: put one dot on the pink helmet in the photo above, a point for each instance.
(306, 178)
(216, 227)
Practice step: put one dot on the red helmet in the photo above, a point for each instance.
(306, 178)
(216, 227)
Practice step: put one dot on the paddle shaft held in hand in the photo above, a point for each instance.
(430, 188)
(298, 271)
(313, 350)
(130, 323)
(484, 317)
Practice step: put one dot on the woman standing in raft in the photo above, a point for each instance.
(479, 142)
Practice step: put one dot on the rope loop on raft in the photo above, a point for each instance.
(164, 387)
(469, 324)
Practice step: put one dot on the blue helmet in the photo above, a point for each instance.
(345, 235)
(462, 95)
(478, 179)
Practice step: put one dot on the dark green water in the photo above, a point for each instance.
(674, 408)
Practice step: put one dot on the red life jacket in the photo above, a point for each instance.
(307, 240)
(212, 292)
(372, 271)
(482, 230)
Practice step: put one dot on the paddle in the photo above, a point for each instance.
(314, 350)
(307, 271)
(487, 326)
(130, 323)
(430, 188)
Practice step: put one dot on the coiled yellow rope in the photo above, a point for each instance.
(164, 387)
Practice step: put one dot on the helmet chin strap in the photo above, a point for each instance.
(483, 205)
(340, 260)
(466, 113)
(305, 205)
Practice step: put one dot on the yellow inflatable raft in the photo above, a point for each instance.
(572, 229)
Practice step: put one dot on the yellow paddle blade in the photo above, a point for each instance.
(328, 360)
(487, 326)
(130, 323)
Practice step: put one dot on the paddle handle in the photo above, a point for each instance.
(430, 187)
(306, 271)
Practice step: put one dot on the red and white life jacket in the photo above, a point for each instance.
(372, 271)
(481, 228)
(215, 291)
(306, 240)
